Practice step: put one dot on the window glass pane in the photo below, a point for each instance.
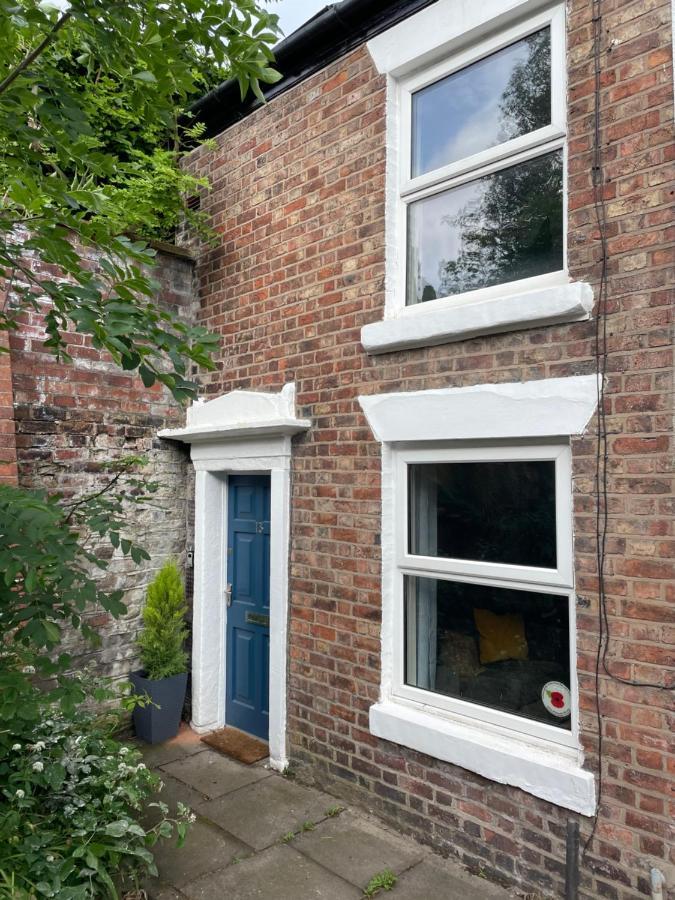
(494, 647)
(500, 512)
(491, 101)
(496, 229)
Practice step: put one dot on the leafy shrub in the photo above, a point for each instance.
(72, 799)
(163, 638)
(71, 795)
(49, 587)
(148, 195)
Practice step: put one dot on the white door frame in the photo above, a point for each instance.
(237, 434)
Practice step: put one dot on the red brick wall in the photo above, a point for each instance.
(73, 417)
(8, 468)
(298, 199)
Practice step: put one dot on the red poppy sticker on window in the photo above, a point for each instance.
(556, 698)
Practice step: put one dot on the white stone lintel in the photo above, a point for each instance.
(440, 28)
(240, 414)
(552, 407)
(419, 327)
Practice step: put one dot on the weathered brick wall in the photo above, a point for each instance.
(8, 468)
(298, 198)
(72, 418)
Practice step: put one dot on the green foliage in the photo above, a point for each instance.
(335, 810)
(88, 99)
(71, 802)
(148, 196)
(65, 797)
(50, 560)
(383, 881)
(162, 640)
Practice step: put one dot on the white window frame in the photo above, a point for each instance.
(541, 415)
(546, 299)
(518, 150)
(553, 581)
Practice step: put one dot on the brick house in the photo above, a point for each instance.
(407, 284)
(442, 283)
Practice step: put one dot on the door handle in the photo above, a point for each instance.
(228, 595)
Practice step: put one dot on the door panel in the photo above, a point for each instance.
(248, 571)
(243, 666)
(244, 576)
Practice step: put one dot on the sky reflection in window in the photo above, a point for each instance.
(491, 101)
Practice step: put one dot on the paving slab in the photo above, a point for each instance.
(213, 774)
(174, 792)
(433, 877)
(163, 893)
(261, 813)
(355, 848)
(279, 873)
(184, 744)
(206, 849)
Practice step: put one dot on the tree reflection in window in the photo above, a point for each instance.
(502, 227)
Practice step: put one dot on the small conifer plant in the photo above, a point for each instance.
(162, 640)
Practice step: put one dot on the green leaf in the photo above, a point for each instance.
(52, 631)
(270, 76)
(145, 76)
(147, 376)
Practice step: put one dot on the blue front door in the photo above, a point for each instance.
(248, 614)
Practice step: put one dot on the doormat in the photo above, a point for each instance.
(237, 744)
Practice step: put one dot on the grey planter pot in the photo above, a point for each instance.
(158, 721)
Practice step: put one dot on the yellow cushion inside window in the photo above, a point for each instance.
(501, 637)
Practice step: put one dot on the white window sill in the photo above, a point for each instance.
(419, 327)
(551, 773)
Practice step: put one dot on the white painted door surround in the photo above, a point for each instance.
(242, 431)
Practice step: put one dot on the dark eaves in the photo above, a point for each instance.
(330, 34)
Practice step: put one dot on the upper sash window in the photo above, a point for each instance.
(482, 166)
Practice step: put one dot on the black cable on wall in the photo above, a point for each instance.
(602, 443)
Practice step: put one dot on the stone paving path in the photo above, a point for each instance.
(260, 835)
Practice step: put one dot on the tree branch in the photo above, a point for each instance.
(33, 55)
(89, 497)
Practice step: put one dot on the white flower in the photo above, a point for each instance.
(40, 745)
(50, 858)
(20, 794)
(38, 766)
(124, 751)
(16, 746)
(28, 670)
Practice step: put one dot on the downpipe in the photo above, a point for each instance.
(572, 861)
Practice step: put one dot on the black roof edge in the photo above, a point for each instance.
(330, 34)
